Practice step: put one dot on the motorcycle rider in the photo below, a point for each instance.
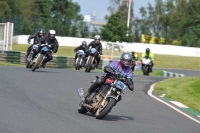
(97, 45)
(122, 66)
(38, 37)
(50, 39)
(81, 47)
(150, 55)
(135, 58)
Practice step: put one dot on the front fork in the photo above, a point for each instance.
(117, 98)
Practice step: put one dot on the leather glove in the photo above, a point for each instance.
(130, 84)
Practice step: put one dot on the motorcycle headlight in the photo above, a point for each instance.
(114, 89)
(118, 92)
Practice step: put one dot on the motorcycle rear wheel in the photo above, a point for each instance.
(82, 109)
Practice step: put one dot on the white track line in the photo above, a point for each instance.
(150, 94)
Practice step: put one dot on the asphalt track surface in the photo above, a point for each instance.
(46, 101)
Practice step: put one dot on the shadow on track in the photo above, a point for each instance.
(113, 117)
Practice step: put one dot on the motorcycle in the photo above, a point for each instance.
(101, 101)
(91, 61)
(37, 61)
(79, 63)
(30, 56)
(146, 64)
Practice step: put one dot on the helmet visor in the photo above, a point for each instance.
(127, 62)
(97, 40)
(52, 35)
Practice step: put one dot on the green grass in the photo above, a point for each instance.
(9, 64)
(160, 61)
(185, 90)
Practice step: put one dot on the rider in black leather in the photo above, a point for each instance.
(50, 39)
(81, 47)
(38, 37)
(97, 45)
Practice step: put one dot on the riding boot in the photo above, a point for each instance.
(94, 86)
(44, 63)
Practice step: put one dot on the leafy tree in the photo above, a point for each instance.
(115, 29)
(5, 11)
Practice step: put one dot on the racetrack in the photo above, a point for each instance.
(46, 101)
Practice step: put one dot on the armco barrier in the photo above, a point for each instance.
(171, 74)
(13, 56)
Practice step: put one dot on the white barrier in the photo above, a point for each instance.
(138, 47)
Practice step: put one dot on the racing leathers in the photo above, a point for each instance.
(110, 70)
(98, 47)
(37, 40)
(54, 48)
(79, 48)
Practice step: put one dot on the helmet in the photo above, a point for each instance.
(40, 32)
(97, 38)
(126, 59)
(133, 51)
(147, 50)
(84, 44)
(52, 34)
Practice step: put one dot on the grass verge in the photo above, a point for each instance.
(10, 64)
(160, 61)
(185, 90)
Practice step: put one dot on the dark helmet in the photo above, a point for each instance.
(147, 50)
(84, 44)
(126, 59)
(40, 32)
(52, 34)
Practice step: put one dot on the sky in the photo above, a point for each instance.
(100, 6)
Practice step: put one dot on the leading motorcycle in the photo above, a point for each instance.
(101, 101)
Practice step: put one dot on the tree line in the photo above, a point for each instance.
(29, 15)
(175, 22)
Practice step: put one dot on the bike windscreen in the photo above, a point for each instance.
(93, 50)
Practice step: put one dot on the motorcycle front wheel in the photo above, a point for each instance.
(39, 60)
(103, 111)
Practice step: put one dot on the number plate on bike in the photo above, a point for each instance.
(120, 85)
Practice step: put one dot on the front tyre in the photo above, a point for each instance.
(78, 64)
(88, 65)
(103, 111)
(39, 60)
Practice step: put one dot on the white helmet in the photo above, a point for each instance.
(97, 37)
(52, 34)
